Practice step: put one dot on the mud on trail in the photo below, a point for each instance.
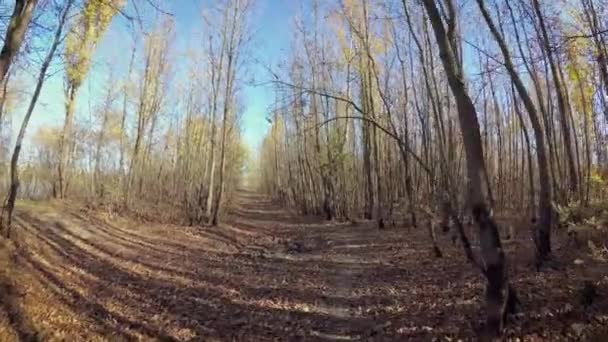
(265, 274)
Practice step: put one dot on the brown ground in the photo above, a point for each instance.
(267, 275)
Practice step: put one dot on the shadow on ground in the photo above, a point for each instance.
(242, 282)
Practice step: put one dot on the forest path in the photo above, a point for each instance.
(265, 274)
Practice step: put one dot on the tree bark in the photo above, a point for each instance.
(561, 102)
(14, 185)
(497, 288)
(65, 141)
(542, 236)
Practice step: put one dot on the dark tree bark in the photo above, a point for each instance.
(561, 101)
(15, 33)
(14, 185)
(528, 151)
(497, 287)
(542, 236)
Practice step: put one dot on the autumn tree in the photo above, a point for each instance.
(80, 46)
(233, 38)
(497, 290)
(15, 33)
(14, 184)
(542, 235)
(150, 103)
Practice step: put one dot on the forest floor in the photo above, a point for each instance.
(267, 274)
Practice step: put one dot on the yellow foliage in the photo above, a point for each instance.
(84, 36)
(46, 136)
(580, 74)
(597, 178)
(343, 40)
(113, 130)
(278, 129)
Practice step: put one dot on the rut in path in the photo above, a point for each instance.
(266, 274)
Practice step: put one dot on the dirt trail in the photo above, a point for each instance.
(265, 274)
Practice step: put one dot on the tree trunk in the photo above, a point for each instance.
(231, 54)
(15, 33)
(123, 121)
(3, 100)
(528, 152)
(497, 288)
(543, 231)
(600, 46)
(65, 141)
(14, 186)
(561, 102)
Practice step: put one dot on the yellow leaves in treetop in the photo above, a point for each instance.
(46, 137)
(580, 73)
(113, 129)
(354, 10)
(81, 41)
(379, 45)
(353, 18)
(344, 41)
(579, 67)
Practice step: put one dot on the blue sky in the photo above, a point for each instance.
(272, 24)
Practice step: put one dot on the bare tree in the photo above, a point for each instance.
(14, 185)
(542, 235)
(15, 34)
(498, 290)
(233, 37)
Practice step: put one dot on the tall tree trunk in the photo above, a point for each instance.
(233, 41)
(123, 120)
(528, 151)
(497, 288)
(600, 46)
(97, 184)
(3, 100)
(542, 236)
(530, 67)
(216, 76)
(213, 220)
(14, 186)
(561, 102)
(65, 139)
(15, 33)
